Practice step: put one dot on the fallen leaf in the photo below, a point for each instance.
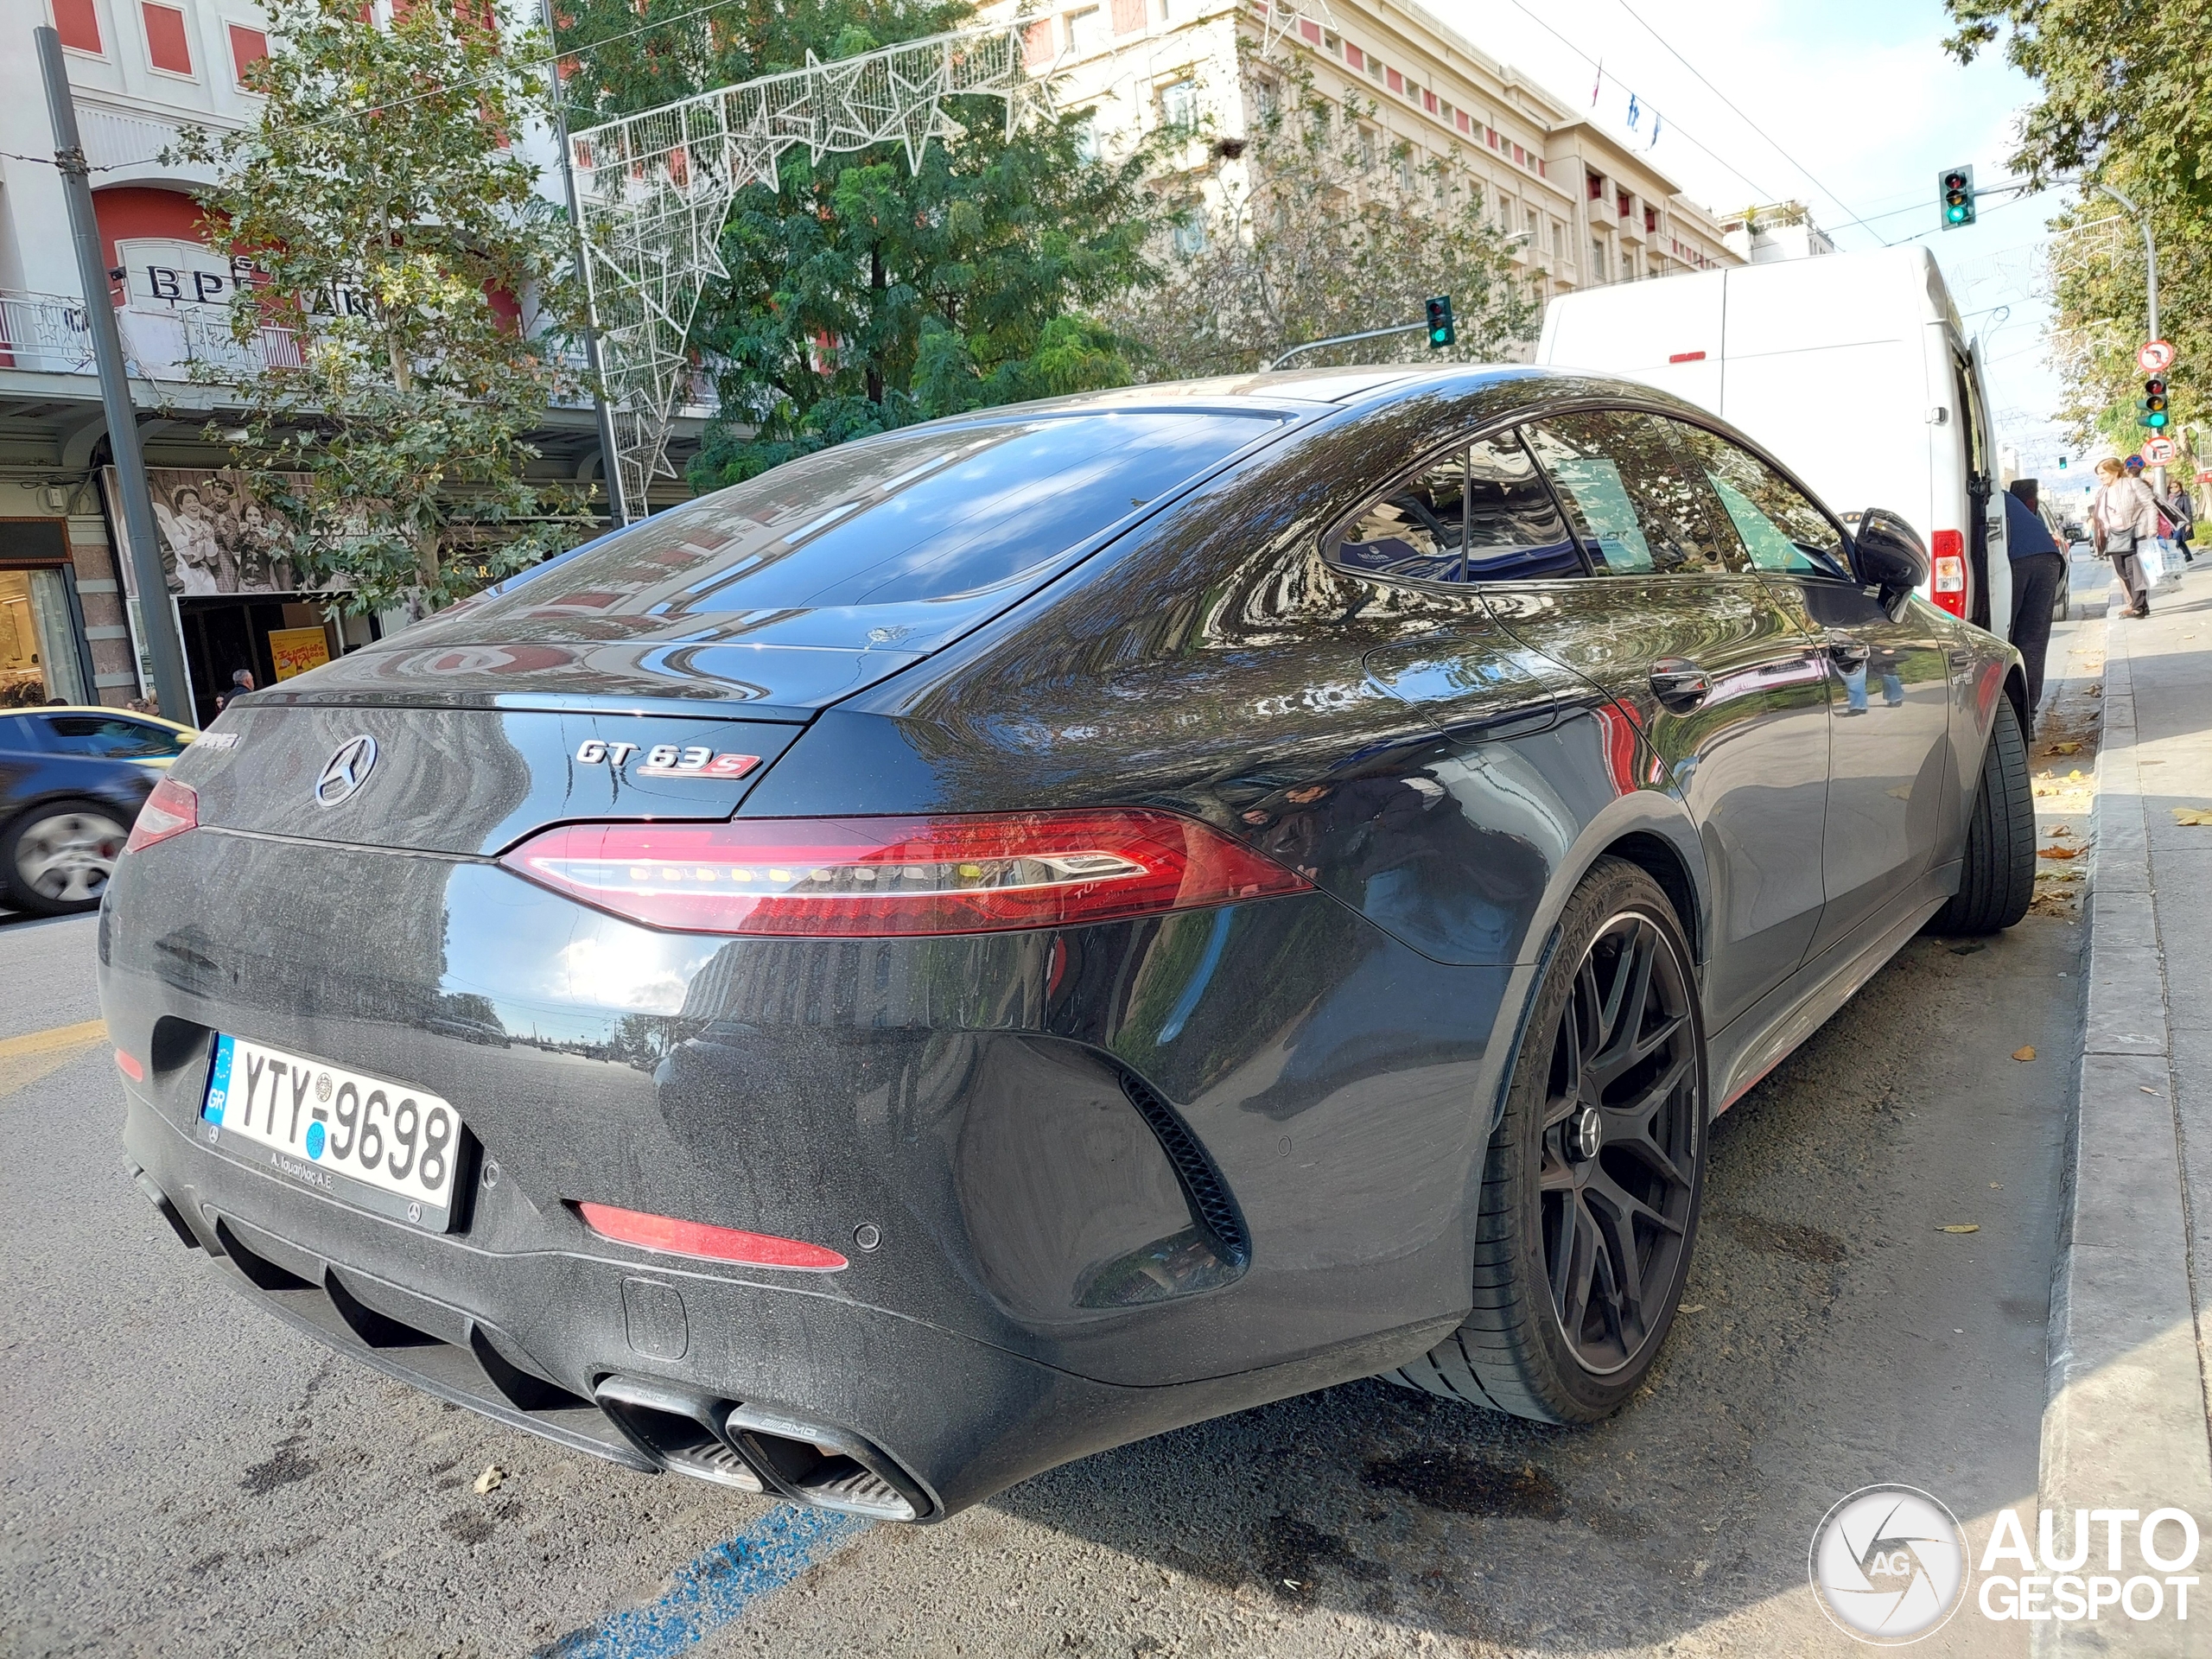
(490, 1479)
(2096, 691)
(2146, 1089)
(2199, 816)
(2075, 776)
(1962, 1227)
(2025, 1052)
(2066, 748)
(2061, 829)
(2059, 852)
(1997, 1186)
(1691, 1307)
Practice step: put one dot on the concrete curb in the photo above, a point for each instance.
(2124, 1424)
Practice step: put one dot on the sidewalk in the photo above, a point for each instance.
(2126, 1426)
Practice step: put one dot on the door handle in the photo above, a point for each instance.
(1679, 683)
(1847, 652)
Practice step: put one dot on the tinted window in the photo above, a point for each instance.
(1631, 494)
(1780, 528)
(1418, 529)
(16, 733)
(110, 735)
(1486, 501)
(920, 515)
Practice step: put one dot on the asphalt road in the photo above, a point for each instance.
(190, 1478)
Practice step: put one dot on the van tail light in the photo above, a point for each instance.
(171, 810)
(842, 878)
(1946, 582)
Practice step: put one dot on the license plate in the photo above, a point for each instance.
(380, 1145)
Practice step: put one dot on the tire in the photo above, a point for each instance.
(1999, 878)
(1548, 1237)
(56, 859)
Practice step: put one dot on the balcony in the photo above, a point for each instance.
(49, 333)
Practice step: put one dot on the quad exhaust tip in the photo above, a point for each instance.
(761, 1450)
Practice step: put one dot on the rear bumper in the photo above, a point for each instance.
(645, 1366)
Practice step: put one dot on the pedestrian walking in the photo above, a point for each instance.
(241, 682)
(2124, 515)
(2038, 572)
(2182, 510)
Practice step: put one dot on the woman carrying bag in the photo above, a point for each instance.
(2123, 517)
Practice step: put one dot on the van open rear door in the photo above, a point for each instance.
(1992, 592)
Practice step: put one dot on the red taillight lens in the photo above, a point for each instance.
(875, 877)
(714, 1243)
(127, 1063)
(171, 810)
(1946, 583)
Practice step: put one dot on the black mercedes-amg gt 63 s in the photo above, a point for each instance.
(1005, 937)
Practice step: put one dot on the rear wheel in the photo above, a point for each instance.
(57, 858)
(1998, 879)
(1590, 1190)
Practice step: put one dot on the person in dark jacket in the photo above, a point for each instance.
(2181, 508)
(2038, 572)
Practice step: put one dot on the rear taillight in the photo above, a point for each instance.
(171, 810)
(696, 1238)
(876, 877)
(1946, 582)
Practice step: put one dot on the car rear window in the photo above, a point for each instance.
(927, 514)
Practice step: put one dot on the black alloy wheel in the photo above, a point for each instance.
(1996, 877)
(1595, 1173)
(1620, 1139)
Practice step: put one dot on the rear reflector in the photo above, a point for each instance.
(877, 877)
(128, 1065)
(710, 1243)
(1946, 583)
(171, 810)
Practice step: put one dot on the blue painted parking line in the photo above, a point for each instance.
(714, 1589)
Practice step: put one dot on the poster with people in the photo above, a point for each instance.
(215, 539)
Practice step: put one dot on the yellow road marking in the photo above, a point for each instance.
(24, 1060)
(38, 1042)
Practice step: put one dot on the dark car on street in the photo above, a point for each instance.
(1013, 934)
(70, 781)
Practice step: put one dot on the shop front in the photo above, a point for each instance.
(42, 653)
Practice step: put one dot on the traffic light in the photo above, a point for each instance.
(1954, 187)
(2151, 411)
(1440, 331)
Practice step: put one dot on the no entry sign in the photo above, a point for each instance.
(2155, 357)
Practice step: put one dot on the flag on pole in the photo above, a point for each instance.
(1634, 113)
(1656, 119)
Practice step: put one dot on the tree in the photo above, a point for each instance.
(1331, 232)
(2118, 83)
(863, 294)
(395, 234)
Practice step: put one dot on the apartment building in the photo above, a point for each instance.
(70, 622)
(1585, 206)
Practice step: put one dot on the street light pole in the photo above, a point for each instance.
(172, 688)
(610, 462)
(2151, 286)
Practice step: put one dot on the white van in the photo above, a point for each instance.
(1851, 367)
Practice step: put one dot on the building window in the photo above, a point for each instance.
(1128, 17)
(1396, 82)
(1650, 219)
(38, 638)
(1354, 56)
(1622, 198)
(1596, 182)
(78, 24)
(1178, 106)
(1191, 236)
(1465, 125)
(1406, 174)
(1535, 225)
(1037, 43)
(166, 45)
(1558, 240)
(1086, 31)
(248, 47)
(1367, 149)
(1086, 137)
(1597, 260)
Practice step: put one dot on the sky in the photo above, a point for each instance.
(1862, 109)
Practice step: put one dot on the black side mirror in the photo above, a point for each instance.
(1887, 554)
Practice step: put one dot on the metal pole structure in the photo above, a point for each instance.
(172, 688)
(610, 467)
(1347, 340)
(2151, 286)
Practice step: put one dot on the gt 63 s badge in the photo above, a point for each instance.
(666, 759)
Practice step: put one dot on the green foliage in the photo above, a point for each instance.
(376, 196)
(2118, 83)
(862, 295)
(1316, 228)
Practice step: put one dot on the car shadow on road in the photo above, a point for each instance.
(1832, 1336)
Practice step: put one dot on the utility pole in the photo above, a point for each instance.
(156, 616)
(610, 463)
(2151, 286)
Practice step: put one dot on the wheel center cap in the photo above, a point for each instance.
(1589, 1132)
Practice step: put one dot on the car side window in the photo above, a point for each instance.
(1780, 528)
(110, 737)
(16, 733)
(1631, 494)
(1418, 529)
